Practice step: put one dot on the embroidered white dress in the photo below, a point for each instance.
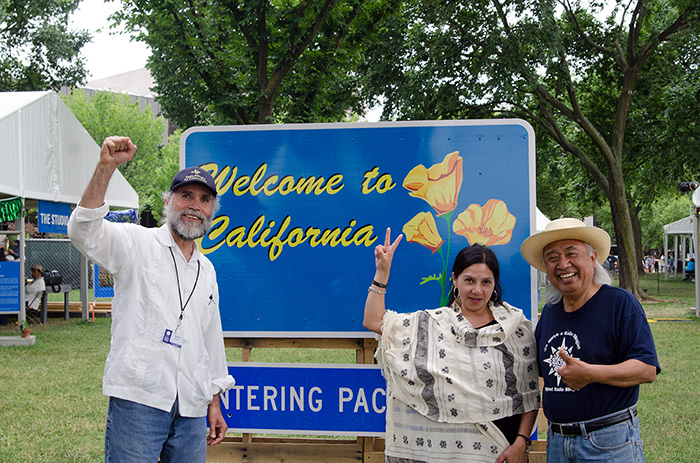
(447, 382)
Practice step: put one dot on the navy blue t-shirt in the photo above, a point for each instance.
(608, 329)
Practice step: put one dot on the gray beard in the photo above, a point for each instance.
(182, 230)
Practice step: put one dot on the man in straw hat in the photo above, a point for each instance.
(594, 348)
(167, 364)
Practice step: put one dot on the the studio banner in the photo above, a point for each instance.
(303, 206)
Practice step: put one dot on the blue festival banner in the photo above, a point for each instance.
(10, 287)
(303, 206)
(314, 399)
(53, 217)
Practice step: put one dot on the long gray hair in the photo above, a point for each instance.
(600, 276)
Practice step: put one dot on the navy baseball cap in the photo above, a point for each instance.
(193, 175)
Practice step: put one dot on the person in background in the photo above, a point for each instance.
(33, 290)
(690, 270)
(167, 364)
(462, 381)
(14, 250)
(594, 348)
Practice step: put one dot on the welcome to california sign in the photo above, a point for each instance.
(303, 206)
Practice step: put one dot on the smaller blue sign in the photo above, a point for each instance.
(104, 285)
(10, 286)
(53, 217)
(314, 399)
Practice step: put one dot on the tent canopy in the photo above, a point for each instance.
(47, 154)
(683, 226)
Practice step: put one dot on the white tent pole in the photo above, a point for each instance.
(675, 256)
(22, 308)
(665, 256)
(696, 237)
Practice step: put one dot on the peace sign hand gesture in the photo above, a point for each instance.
(383, 255)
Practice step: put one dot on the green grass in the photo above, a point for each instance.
(52, 408)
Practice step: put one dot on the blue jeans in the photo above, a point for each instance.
(140, 434)
(619, 443)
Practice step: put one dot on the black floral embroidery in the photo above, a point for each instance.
(484, 350)
(460, 317)
(459, 444)
(451, 397)
(489, 383)
(419, 442)
(533, 385)
(406, 357)
(438, 312)
(477, 445)
(406, 322)
(443, 444)
(526, 351)
(494, 449)
(487, 365)
(449, 380)
(442, 353)
(519, 332)
(430, 443)
(503, 318)
(411, 383)
(404, 373)
(406, 341)
(496, 339)
(441, 337)
(452, 330)
(485, 428)
(405, 439)
(496, 411)
(453, 411)
(529, 368)
(446, 370)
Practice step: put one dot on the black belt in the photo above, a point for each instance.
(578, 429)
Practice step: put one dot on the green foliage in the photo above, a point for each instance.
(601, 83)
(248, 61)
(37, 50)
(153, 167)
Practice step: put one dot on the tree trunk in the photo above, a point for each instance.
(637, 233)
(624, 235)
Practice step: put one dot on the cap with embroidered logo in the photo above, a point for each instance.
(193, 175)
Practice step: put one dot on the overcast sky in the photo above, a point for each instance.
(108, 54)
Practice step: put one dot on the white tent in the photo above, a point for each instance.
(684, 228)
(47, 155)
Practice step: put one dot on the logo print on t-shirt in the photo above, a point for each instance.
(555, 362)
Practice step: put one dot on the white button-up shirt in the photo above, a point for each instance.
(141, 367)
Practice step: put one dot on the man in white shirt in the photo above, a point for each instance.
(34, 289)
(167, 364)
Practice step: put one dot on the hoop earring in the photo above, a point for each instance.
(494, 296)
(455, 293)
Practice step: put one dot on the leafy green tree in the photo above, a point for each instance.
(106, 114)
(255, 61)
(578, 71)
(37, 50)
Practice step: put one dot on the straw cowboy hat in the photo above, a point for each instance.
(565, 229)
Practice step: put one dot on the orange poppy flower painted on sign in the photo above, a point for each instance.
(488, 225)
(422, 229)
(439, 185)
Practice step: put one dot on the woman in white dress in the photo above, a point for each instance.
(462, 380)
